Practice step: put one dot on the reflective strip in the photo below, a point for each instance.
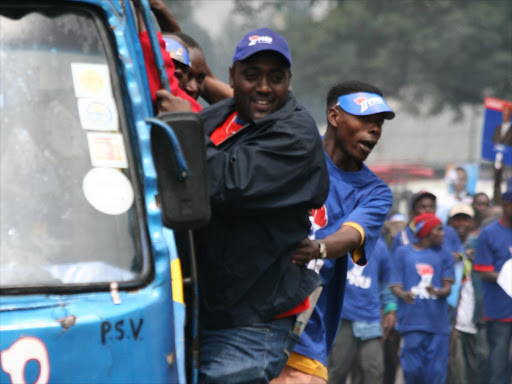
(177, 281)
(358, 253)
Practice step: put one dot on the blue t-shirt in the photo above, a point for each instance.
(356, 197)
(415, 270)
(362, 293)
(451, 241)
(494, 248)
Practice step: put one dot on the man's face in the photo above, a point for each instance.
(425, 205)
(181, 72)
(463, 224)
(195, 81)
(481, 203)
(461, 180)
(506, 114)
(356, 136)
(260, 84)
(507, 210)
(436, 236)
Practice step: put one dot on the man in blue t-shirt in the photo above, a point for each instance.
(350, 221)
(494, 257)
(359, 339)
(421, 202)
(421, 279)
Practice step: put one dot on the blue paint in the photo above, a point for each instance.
(86, 336)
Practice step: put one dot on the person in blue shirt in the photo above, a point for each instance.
(426, 202)
(494, 249)
(349, 222)
(421, 279)
(421, 202)
(359, 338)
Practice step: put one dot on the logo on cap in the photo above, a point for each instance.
(365, 103)
(255, 39)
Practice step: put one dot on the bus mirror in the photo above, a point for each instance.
(182, 185)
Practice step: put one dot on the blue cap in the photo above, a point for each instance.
(364, 104)
(177, 51)
(262, 39)
(507, 196)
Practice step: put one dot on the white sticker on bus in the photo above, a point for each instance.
(15, 358)
(108, 190)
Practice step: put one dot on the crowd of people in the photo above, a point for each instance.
(280, 300)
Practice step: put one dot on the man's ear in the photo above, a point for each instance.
(231, 75)
(332, 116)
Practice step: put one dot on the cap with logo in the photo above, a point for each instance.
(177, 51)
(365, 103)
(262, 39)
(462, 209)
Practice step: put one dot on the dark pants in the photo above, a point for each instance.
(251, 354)
(349, 350)
(391, 352)
(475, 352)
(499, 337)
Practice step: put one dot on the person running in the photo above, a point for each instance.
(349, 222)
(369, 313)
(266, 170)
(494, 257)
(421, 279)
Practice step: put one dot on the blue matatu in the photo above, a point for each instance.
(92, 187)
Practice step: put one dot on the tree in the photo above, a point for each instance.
(442, 52)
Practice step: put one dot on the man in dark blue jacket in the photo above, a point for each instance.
(266, 171)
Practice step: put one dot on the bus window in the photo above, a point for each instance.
(69, 211)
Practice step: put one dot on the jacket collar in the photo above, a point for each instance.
(221, 110)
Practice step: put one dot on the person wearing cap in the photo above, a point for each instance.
(349, 222)
(368, 315)
(461, 218)
(421, 202)
(468, 311)
(177, 65)
(421, 279)
(425, 202)
(266, 170)
(200, 79)
(493, 250)
(179, 53)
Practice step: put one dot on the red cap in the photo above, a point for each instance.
(425, 223)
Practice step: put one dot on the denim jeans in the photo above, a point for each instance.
(250, 354)
(499, 337)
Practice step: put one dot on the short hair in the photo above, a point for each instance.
(461, 169)
(477, 195)
(348, 87)
(189, 41)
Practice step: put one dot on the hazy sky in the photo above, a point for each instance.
(212, 15)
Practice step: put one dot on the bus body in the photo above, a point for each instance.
(90, 280)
